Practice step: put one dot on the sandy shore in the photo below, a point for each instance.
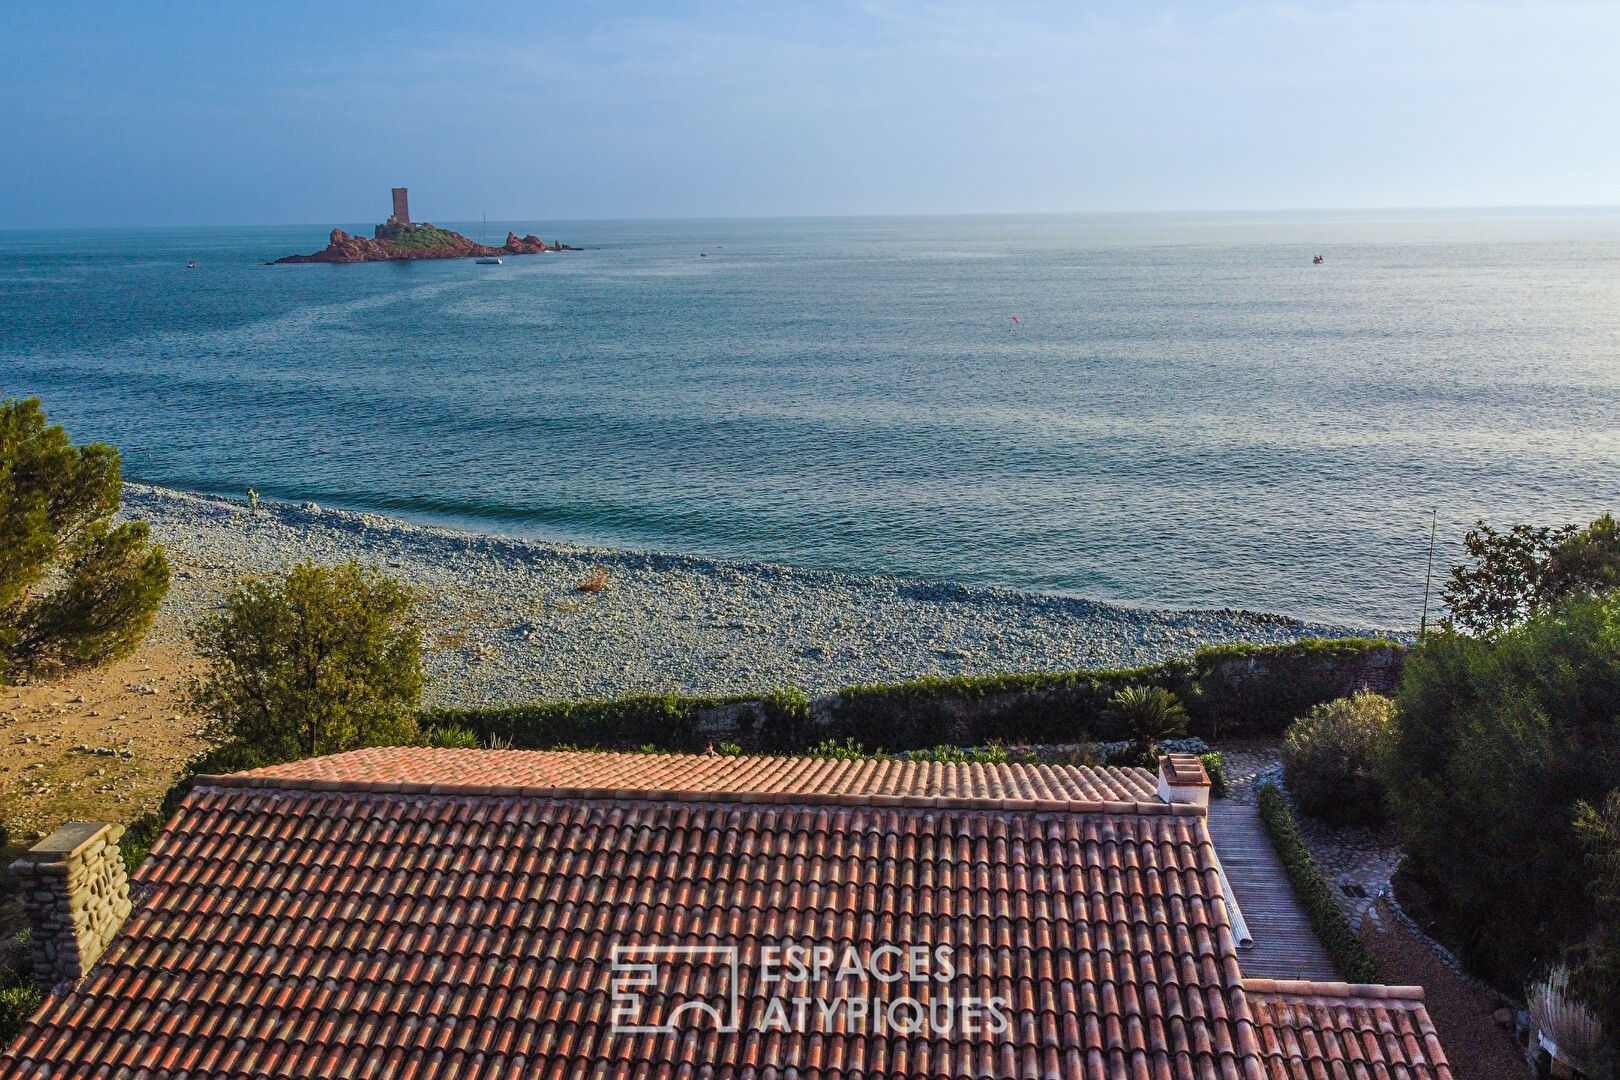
(506, 620)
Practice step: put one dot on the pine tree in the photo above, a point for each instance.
(75, 589)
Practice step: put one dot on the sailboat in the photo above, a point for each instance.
(487, 260)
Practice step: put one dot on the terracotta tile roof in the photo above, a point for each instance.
(1311, 1029)
(284, 929)
(664, 776)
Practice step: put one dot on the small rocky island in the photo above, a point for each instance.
(400, 238)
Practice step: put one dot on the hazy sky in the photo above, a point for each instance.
(284, 112)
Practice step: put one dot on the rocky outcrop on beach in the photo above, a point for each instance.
(418, 242)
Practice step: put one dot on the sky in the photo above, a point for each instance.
(240, 113)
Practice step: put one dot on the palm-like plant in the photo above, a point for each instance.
(1152, 714)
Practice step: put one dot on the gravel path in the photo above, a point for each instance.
(1476, 1046)
(506, 620)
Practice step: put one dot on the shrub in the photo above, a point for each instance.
(833, 750)
(1331, 758)
(323, 660)
(1151, 714)
(102, 582)
(19, 997)
(451, 737)
(1261, 689)
(1496, 740)
(1215, 766)
(785, 724)
(670, 722)
(1315, 895)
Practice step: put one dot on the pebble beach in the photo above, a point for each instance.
(506, 620)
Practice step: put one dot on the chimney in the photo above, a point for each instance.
(73, 886)
(1182, 779)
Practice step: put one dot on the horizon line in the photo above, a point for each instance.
(1028, 214)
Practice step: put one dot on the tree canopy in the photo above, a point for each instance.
(1498, 738)
(322, 660)
(1529, 568)
(75, 589)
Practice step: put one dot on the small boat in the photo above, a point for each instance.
(191, 266)
(1317, 259)
(493, 260)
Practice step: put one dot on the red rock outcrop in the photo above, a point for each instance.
(421, 242)
(532, 245)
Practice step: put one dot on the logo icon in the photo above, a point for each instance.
(642, 972)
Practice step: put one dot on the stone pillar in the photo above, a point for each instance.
(1182, 779)
(73, 886)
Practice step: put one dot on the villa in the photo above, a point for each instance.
(423, 913)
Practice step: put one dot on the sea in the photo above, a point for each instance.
(1154, 410)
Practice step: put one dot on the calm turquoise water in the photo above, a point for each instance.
(1187, 412)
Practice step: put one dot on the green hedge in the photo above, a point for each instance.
(1315, 895)
(777, 720)
(1237, 689)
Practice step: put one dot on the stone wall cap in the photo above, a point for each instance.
(67, 841)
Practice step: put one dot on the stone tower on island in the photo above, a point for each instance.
(399, 219)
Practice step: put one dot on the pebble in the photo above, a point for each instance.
(504, 621)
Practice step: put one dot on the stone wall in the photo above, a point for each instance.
(73, 886)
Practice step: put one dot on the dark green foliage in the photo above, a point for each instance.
(423, 236)
(321, 661)
(850, 750)
(785, 723)
(102, 583)
(1332, 756)
(1150, 713)
(1056, 707)
(1315, 895)
(1249, 689)
(1261, 689)
(1529, 568)
(666, 721)
(19, 996)
(833, 750)
(1496, 740)
(1215, 766)
(1597, 979)
(451, 736)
